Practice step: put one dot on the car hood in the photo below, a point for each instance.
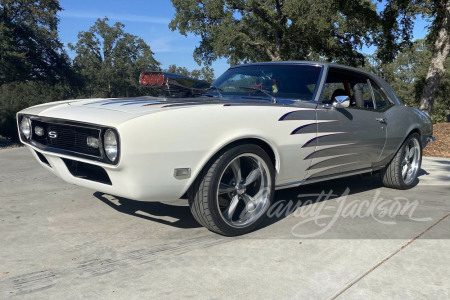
(111, 111)
(117, 110)
(140, 105)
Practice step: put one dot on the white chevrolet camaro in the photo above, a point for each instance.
(227, 146)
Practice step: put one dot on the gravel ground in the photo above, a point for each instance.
(440, 147)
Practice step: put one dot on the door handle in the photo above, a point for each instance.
(381, 120)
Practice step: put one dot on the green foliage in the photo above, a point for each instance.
(15, 96)
(29, 44)
(262, 30)
(205, 73)
(34, 68)
(397, 20)
(406, 74)
(110, 60)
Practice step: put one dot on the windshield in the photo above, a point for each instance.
(297, 82)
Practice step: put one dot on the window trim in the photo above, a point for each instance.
(389, 101)
(374, 103)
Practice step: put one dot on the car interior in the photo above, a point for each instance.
(343, 83)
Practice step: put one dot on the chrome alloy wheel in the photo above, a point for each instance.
(243, 194)
(411, 160)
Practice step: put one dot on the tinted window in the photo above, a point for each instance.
(282, 81)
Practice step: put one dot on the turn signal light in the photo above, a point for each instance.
(92, 142)
(39, 131)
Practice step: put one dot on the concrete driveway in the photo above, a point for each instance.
(321, 241)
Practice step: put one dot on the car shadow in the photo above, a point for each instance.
(152, 211)
(422, 172)
(159, 212)
(297, 197)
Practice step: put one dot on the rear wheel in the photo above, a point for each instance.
(232, 194)
(402, 171)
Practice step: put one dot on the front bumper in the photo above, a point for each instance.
(133, 180)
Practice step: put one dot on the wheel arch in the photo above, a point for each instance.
(264, 144)
(413, 129)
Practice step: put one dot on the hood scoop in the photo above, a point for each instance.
(173, 85)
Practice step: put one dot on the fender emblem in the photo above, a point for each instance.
(52, 134)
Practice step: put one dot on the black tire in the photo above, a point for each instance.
(204, 197)
(391, 176)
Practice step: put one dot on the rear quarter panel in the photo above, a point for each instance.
(401, 121)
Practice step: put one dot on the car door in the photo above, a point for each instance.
(349, 138)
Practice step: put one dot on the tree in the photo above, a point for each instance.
(110, 60)
(397, 23)
(440, 35)
(34, 67)
(205, 73)
(15, 96)
(178, 70)
(406, 74)
(29, 44)
(261, 30)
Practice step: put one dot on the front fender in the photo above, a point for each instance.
(154, 145)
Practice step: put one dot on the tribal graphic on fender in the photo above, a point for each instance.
(227, 146)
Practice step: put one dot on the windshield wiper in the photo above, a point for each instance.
(219, 90)
(267, 93)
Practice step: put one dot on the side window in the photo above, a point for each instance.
(334, 86)
(381, 101)
(341, 82)
(330, 91)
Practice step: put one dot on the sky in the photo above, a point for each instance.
(150, 21)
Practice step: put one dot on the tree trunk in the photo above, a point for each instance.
(437, 70)
(274, 55)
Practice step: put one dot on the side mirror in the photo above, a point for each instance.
(342, 101)
(338, 102)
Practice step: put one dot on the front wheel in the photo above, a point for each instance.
(402, 171)
(233, 193)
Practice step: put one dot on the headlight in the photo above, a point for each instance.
(110, 144)
(25, 127)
